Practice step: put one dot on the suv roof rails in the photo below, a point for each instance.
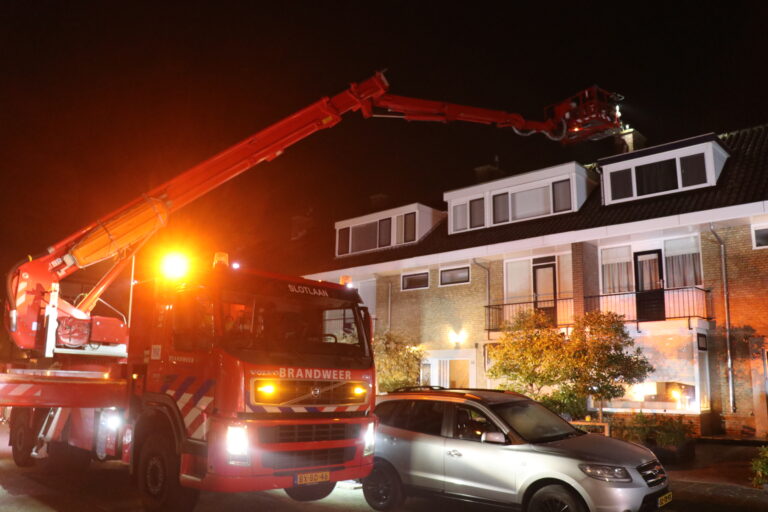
(419, 388)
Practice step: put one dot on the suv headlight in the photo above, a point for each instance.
(369, 439)
(606, 473)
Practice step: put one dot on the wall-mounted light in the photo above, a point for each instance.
(457, 338)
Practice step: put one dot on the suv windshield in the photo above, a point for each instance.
(534, 422)
(290, 325)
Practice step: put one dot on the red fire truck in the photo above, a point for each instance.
(225, 380)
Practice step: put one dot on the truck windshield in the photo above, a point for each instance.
(534, 422)
(295, 325)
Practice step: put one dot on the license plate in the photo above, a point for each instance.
(313, 478)
(664, 499)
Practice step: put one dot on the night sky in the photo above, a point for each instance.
(101, 101)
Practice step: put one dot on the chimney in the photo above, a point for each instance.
(379, 201)
(629, 140)
(488, 172)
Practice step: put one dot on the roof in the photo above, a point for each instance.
(487, 396)
(744, 179)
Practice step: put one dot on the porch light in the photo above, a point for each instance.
(457, 339)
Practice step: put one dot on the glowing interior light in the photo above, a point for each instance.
(175, 266)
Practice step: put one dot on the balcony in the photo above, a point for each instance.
(559, 310)
(655, 305)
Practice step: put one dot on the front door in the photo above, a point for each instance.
(649, 283)
(545, 290)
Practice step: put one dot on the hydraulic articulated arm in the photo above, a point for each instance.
(34, 310)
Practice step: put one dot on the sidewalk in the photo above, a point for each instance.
(718, 478)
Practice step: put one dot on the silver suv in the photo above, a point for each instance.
(502, 447)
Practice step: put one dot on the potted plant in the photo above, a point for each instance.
(760, 468)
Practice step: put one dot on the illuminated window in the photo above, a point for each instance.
(454, 276)
(415, 281)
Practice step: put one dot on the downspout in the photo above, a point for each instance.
(389, 306)
(727, 305)
(487, 293)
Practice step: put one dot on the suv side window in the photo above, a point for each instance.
(426, 417)
(470, 423)
(385, 411)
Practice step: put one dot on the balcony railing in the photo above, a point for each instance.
(668, 304)
(559, 310)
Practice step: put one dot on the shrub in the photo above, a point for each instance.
(760, 467)
(566, 402)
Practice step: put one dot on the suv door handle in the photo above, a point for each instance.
(454, 453)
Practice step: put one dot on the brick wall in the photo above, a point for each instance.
(748, 290)
(586, 280)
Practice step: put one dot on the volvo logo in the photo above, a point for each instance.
(315, 392)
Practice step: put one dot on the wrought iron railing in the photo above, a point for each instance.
(689, 302)
(560, 311)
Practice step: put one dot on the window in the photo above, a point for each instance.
(518, 281)
(470, 424)
(531, 203)
(454, 276)
(760, 237)
(500, 208)
(617, 269)
(385, 411)
(426, 417)
(410, 227)
(415, 281)
(621, 184)
(564, 277)
(400, 230)
(460, 217)
(477, 213)
(385, 232)
(561, 196)
(682, 262)
(339, 326)
(693, 170)
(192, 322)
(343, 247)
(656, 177)
(365, 237)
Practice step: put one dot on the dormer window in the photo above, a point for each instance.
(666, 169)
(550, 191)
(385, 229)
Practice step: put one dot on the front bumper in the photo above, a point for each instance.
(606, 497)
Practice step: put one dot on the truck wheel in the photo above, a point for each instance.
(22, 438)
(555, 498)
(310, 492)
(383, 489)
(158, 477)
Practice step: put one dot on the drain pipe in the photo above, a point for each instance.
(389, 306)
(727, 305)
(487, 292)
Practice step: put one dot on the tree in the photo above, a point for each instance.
(603, 358)
(529, 354)
(398, 361)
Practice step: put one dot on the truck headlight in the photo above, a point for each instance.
(369, 440)
(237, 445)
(606, 473)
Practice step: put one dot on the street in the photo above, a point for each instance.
(106, 487)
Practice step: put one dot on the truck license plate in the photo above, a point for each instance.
(313, 478)
(664, 499)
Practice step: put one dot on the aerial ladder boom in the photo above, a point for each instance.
(39, 320)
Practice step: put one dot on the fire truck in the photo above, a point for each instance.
(225, 380)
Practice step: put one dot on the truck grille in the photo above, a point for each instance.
(307, 433)
(653, 473)
(308, 458)
(310, 393)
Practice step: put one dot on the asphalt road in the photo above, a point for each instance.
(106, 487)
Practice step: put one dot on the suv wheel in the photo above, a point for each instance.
(382, 488)
(555, 498)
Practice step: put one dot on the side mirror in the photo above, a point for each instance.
(493, 437)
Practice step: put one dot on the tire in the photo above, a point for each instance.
(310, 492)
(22, 438)
(383, 489)
(158, 477)
(555, 498)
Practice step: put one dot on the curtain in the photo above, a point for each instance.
(648, 272)
(683, 262)
(617, 269)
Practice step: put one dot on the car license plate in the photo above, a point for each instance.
(313, 478)
(664, 499)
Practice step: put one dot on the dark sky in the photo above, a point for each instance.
(101, 101)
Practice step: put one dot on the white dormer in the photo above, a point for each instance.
(385, 229)
(675, 167)
(551, 191)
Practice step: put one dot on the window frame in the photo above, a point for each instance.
(393, 242)
(408, 274)
(752, 229)
(456, 267)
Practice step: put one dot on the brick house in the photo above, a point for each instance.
(670, 236)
